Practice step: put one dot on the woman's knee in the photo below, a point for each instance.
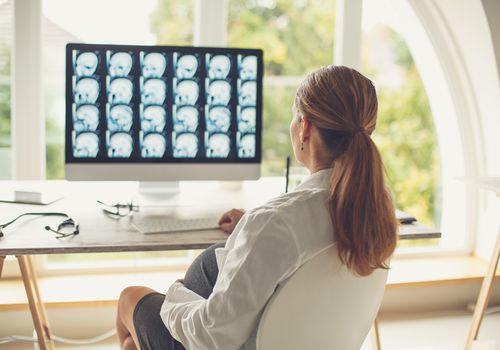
(130, 296)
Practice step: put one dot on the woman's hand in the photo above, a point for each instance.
(230, 219)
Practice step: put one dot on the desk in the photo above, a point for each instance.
(99, 233)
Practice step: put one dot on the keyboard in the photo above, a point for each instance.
(169, 225)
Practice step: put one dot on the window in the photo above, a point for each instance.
(5, 90)
(405, 130)
(297, 37)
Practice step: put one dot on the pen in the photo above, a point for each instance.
(287, 173)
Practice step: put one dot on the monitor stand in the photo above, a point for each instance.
(159, 192)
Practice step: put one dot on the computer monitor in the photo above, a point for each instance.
(163, 113)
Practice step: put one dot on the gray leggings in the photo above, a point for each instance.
(200, 278)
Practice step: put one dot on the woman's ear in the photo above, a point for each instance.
(305, 129)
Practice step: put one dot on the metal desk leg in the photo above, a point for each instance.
(484, 295)
(2, 258)
(375, 336)
(35, 302)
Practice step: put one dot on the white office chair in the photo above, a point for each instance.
(321, 306)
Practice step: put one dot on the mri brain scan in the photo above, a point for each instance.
(186, 146)
(154, 92)
(248, 94)
(248, 68)
(133, 104)
(153, 119)
(219, 119)
(186, 67)
(86, 145)
(120, 145)
(219, 93)
(219, 67)
(154, 65)
(120, 91)
(186, 119)
(86, 118)
(120, 118)
(246, 146)
(153, 146)
(247, 120)
(120, 64)
(218, 146)
(187, 93)
(86, 64)
(86, 91)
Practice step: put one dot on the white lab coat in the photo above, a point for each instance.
(266, 247)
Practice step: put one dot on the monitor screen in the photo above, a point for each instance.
(163, 104)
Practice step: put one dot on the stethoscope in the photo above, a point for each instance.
(69, 222)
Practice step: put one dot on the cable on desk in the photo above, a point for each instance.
(20, 338)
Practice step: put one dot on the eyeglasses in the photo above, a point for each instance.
(67, 227)
(119, 209)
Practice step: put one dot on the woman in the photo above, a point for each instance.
(344, 201)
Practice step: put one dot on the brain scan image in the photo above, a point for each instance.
(86, 118)
(120, 118)
(86, 91)
(219, 119)
(120, 145)
(219, 93)
(154, 92)
(120, 64)
(86, 145)
(153, 65)
(120, 91)
(186, 67)
(186, 119)
(153, 119)
(153, 146)
(248, 68)
(218, 146)
(219, 67)
(246, 146)
(187, 93)
(86, 64)
(248, 94)
(186, 146)
(247, 120)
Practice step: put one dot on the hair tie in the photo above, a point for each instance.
(358, 130)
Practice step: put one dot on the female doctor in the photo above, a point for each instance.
(343, 201)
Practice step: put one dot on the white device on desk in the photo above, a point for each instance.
(168, 225)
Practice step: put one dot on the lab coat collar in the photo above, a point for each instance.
(319, 179)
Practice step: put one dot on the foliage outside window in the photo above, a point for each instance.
(405, 131)
(296, 37)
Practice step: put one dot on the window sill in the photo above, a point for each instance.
(104, 289)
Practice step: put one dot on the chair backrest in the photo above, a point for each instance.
(321, 306)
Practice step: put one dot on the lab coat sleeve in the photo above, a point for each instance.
(264, 254)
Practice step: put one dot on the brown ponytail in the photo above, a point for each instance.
(342, 104)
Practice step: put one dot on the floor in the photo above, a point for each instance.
(412, 332)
